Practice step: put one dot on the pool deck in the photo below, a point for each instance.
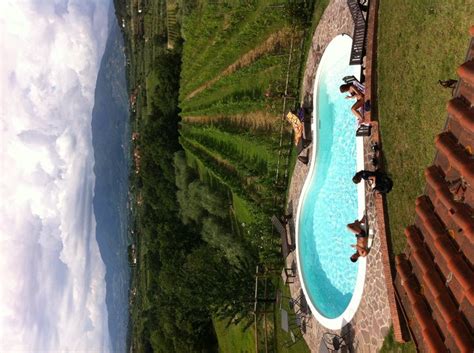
(372, 320)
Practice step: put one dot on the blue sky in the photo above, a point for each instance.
(52, 292)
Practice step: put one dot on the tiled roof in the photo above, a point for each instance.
(435, 277)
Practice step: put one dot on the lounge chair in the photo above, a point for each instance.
(333, 342)
(300, 147)
(297, 126)
(286, 248)
(294, 338)
(363, 130)
(289, 210)
(303, 159)
(307, 132)
(288, 275)
(301, 321)
(352, 79)
(288, 324)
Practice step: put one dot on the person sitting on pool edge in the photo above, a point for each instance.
(377, 180)
(357, 227)
(354, 92)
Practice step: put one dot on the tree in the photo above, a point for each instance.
(226, 289)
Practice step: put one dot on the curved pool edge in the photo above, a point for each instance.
(348, 314)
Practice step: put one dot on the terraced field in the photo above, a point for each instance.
(240, 59)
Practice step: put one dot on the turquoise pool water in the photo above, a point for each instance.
(331, 200)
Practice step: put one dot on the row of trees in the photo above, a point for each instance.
(167, 322)
(207, 210)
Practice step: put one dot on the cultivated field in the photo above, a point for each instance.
(233, 77)
(241, 61)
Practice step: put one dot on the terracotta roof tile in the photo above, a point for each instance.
(413, 237)
(462, 216)
(423, 261)
(422, 314)
(460, 111)
(447, 307)
(461, 336)
(466, 308)
(435, 284)
(462, 272)
(430, 221)
(433, 341)
(458, 157)
(466, 91)
(446, 248)
(466, 72)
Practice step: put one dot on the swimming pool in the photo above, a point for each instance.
(332, 284)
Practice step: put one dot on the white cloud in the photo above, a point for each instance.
(52, 287)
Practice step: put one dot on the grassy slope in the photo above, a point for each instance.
(226, 32)
(420, 42)
(234, 339)
(231, 31)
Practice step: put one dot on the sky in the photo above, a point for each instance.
(52, 287)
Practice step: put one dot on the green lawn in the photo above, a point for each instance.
(420, 42)
(391, 346)
(234, 339)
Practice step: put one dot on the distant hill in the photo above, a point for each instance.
(110, 138)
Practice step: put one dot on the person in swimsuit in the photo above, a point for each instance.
(359, 229)
(358, 226)
(354, 93)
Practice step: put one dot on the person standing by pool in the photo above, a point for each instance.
(359, 229)
(377, 180)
